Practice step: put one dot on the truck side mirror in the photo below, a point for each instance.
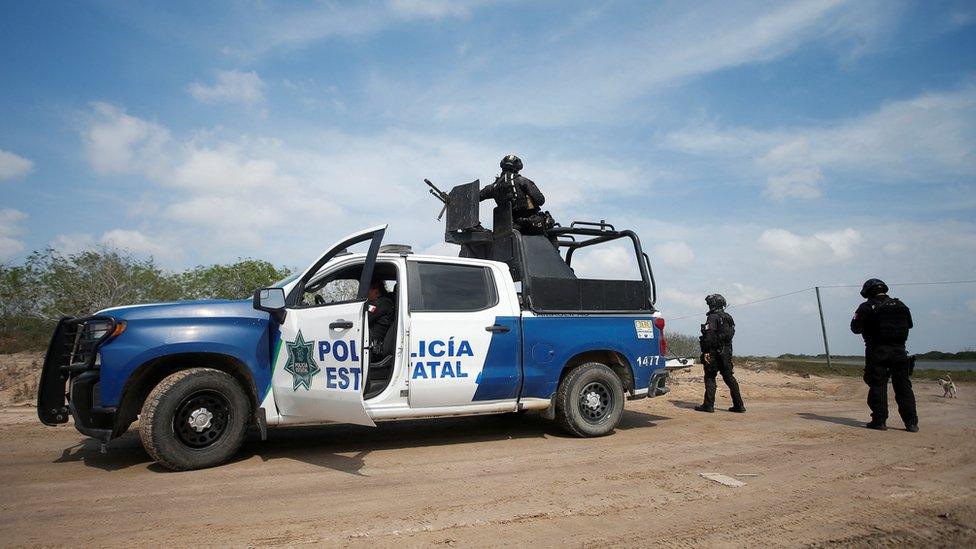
(271, 300)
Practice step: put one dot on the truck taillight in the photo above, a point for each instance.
(659, 322)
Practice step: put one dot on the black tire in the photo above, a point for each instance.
(590, 400)
(165, 423)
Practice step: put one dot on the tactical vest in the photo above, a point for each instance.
(510, 190)
(712, 341)
(889, 323)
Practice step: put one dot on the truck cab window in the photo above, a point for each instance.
(445, 287)
(341, 287)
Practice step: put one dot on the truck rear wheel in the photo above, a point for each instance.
(590, 400)
(194, 418)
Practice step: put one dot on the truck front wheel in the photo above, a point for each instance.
(194, 418)
(590, 400)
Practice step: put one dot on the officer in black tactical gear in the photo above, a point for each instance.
(884, 323)
(522, 195)
(716, 347)
(380, 315)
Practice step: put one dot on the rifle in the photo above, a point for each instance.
(439, 195)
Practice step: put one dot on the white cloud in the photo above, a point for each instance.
(245, 88)
(442, 248)
(894, 248)
(925, 139)
(793, 251)
(137, 243)
(674, 254)
(688, 300)
(745, 293)
(802, 183)
(13, 166)
(914, 139)
(267, 28)
(128, 240)
(117, 143)
(433, 9)
(610, 262)
(224, 169)
(73, 243)
(10, 228)
(658, 48)
(245, 191)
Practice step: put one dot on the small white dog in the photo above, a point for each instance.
(948, 386)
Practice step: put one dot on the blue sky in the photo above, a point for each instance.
(758, 148)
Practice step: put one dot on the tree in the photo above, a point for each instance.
(683, 345)
(231, 281)
(17, 291)
(83, 283)
(20, 328)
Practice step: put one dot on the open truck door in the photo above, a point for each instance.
(321, 358)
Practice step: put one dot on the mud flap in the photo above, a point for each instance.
(261, 418)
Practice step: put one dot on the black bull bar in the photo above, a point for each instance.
(70, 359)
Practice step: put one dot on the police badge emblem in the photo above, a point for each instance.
(301, 365)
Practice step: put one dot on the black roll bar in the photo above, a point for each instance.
(605, 233)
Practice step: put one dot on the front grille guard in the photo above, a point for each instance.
(72, 350)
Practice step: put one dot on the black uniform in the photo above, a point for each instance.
(380, 314)
(525, 199)
(716, 340)
(884, 323)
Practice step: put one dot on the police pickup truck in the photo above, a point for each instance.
(467, 340)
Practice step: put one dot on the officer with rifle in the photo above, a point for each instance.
(716, 357)
(884, 323)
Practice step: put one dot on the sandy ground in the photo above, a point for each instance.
(819, 478)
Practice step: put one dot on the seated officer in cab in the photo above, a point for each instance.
(380, 314)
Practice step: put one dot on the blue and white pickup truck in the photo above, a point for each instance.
(467, 340)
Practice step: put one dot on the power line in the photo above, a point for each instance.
(902, 284)
(749, 302)
(794, 292)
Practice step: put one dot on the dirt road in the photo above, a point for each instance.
(820, 479)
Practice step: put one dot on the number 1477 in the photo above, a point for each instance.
(649, 360)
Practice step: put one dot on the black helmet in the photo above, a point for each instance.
(511, 163)
(873, 287)
(715, 301)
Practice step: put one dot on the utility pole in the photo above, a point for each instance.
(823, 326)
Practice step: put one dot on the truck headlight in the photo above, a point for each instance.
(99, 328)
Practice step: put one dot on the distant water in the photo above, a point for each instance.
(951, 365)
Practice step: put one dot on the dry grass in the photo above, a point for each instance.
(19, 374)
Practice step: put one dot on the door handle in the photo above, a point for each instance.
(340, 325)
(497, 328)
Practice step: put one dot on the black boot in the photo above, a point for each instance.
(729, 379)
(708, 404)
(876, 426)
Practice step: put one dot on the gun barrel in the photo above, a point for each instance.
(437, 193)
(438, 197)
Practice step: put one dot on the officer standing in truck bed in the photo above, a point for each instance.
(522, 195)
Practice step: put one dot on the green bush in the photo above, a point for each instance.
(682, 344)
(50, 285)
(820, 369)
